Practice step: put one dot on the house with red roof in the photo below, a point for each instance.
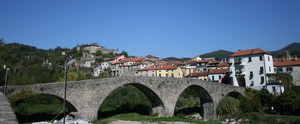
(290, 66)
(216, 75)
(249, 68)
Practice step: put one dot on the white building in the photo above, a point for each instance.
(216, 75)
(250, 68)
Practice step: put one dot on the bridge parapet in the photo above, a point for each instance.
(86, 96)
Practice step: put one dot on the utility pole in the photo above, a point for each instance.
(67, 57)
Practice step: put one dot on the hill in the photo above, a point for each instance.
(293, 49)
(219, 54)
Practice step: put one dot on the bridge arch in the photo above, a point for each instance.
(156, 102)
(40, 115)
(206, 101)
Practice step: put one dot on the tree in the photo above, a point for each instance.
(124, 53)
(288, 103)
(98, 53)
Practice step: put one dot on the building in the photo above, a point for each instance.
(250, 68)
(216, 75)
(199, 75)
(152, 58)
(94, 47)
(169, 71)
(290, 66)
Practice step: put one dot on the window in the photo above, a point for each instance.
(274, 89)
(219, 77)
(252, 83)
(269, 69)
(250, 59)
(172, 75)
(152, 75)
(260, 58)
(262, 80)
(166, 75)
(251, 75)
(261, 71)
(213, 78)
(159, 75)
(279, 69)
(289, 69)
(268, 58)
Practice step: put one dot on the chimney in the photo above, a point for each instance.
(296, 58)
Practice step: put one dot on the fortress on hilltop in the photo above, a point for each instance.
(93, 47)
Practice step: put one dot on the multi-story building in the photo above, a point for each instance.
(290, 66)
(169, 71)
(250, 68)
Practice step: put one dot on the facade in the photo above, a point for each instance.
(216, 75)
(150, 71)
(199, 75)
(250, 68)
(290, 66)
(169, 71)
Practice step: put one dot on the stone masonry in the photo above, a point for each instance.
(86, 96)
(7, 115)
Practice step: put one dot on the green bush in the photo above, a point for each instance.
(229, 107)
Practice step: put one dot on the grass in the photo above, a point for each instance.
(144, 118)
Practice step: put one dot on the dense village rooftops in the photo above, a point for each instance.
(286, 62)
(223, 65)
(250, 52)
(198, 74)
(129, 60)
(218, 71)
(215, 62)
(205, 61)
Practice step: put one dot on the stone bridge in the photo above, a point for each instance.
(85, 97)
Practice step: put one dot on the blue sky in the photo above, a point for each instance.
(179, 28)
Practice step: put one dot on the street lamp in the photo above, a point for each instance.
(67, 58)
(5, 85)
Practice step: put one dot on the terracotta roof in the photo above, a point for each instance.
(225, 64)
(129, 60)
(287, 62)
(218, 71)
(89, 59)
(249, 52)
(178, 63)
(149, 68)
(167, 67)
(215, 62)
(198, 74)
(192, 61)
(205, 61)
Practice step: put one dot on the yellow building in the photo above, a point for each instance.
(169, 71)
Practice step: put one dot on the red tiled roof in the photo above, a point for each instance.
(215, 62)
(149, 68)
(218, 71)
(198, 74)
(167, 67)
(89, 59)
(287, 62)
(205, 61)
(178, 63)
(129, 60)
(249, 52)
(223, 64)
